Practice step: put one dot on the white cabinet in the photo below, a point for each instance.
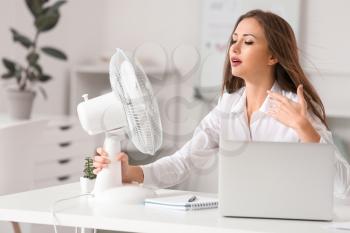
(18, 147)
(41, 153)
(61, 153)
(56, 154)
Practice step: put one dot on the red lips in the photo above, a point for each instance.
(235, 61)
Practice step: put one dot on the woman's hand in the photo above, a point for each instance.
(129, 173)
(293, 114)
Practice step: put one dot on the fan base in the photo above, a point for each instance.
(126, 194)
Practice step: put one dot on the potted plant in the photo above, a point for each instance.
(88, 180)
(21, 95)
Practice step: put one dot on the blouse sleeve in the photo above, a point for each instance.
(174, 169)
(342, 176)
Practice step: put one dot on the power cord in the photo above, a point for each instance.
(55, 222)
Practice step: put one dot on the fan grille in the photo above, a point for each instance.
(140, 105)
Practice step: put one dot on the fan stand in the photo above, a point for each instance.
(108, 186)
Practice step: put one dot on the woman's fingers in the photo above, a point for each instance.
(101, 151)
(301, 98)
(100, 165)
(278, 97)
(123, 157)
(282, 107)
(277, 111)
(300, 93)
(101, 159)
(102, 156)
(96, 170)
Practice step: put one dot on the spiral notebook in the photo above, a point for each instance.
(181, 202)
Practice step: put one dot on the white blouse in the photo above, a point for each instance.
(229, 119)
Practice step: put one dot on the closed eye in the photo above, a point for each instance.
(246, 42)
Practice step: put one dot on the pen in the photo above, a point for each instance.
(193, 198)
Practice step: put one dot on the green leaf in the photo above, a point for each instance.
(57, 5)
(10, 65)
(35, 6)
(54, 53)
(49, 17)
(8, 75)
(32, 58)
(37, 69)
(14, 70)
(32, 76)
(17, 37)
(47, 21)
(18, 74)
(43, 92)
(35, 72)
(44, 78)
(88, 168)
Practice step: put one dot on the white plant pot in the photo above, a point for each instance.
(19, 103)
(86, 185)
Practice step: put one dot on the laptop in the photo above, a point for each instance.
(276, 180)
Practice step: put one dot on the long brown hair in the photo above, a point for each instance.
(288, 72)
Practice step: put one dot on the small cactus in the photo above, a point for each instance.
(88, 169)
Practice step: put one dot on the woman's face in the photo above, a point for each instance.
(250, 57)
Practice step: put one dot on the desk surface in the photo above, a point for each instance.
(35, 207)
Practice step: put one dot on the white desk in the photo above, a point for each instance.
(34, 207)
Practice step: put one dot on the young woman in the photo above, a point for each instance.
(266, 97)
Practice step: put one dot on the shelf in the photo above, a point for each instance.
(92, 69)
(103, 68)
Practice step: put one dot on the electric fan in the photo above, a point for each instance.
(131, 109)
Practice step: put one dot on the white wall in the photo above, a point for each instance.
(169, 23)
(90, 29)
(325, 48)
(7, 18)
(79, 33)
(326, 35)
